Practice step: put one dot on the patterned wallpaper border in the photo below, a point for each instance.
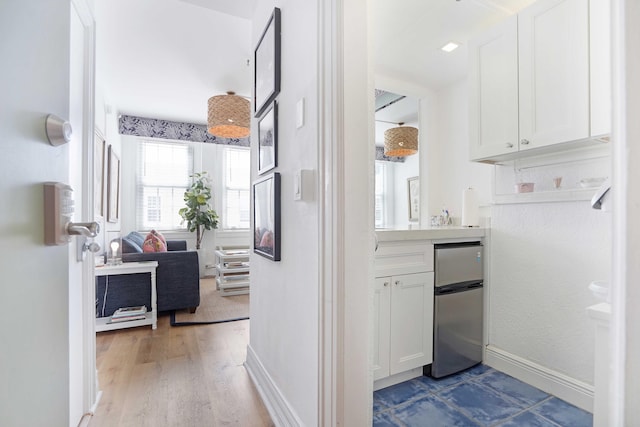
(165, 129)
(380, 156)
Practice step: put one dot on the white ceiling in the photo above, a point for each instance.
(408, 35)
(165, 58)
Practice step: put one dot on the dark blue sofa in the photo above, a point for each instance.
(177, 279)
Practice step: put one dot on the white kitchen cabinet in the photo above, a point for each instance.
(600, 66)
(493, 97)
(404, 323)
(553, 46)
(381, 326)
(557, 96)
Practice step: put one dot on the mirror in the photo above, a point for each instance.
(394, 175)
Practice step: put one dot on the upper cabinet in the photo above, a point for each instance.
(530, 80)
(493, 80)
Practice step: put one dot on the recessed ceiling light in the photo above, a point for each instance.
(450, 47)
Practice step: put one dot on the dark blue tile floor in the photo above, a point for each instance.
(480, 396)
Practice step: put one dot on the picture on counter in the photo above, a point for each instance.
(267, 65)
(266, 216)
(268, 140)
(413, 190)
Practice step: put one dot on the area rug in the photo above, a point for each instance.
(214, 308)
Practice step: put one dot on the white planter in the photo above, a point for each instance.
(205, 258)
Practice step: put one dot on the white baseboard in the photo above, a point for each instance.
(282, 414)
(576, 392)
(397, 378)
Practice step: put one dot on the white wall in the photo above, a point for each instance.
(543, 257)
(448, 154)
(284, 295)
(34, 360)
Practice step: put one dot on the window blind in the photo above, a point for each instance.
(163, 174)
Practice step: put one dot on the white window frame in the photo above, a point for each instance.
(226, 186)
(141, 223)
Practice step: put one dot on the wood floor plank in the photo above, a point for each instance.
(177, 376)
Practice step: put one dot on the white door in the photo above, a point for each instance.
(381, 327)
(81, 288)
(553, 50)
(411, 338)
(493, 86)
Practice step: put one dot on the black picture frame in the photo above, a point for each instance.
(266, 216)
(268, 139)
(266, 62)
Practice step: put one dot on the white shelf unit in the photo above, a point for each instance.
(232, 265)
(151, 317)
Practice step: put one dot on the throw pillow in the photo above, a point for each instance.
(130, 246)
(154, 242)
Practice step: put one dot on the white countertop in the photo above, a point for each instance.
(428, 233)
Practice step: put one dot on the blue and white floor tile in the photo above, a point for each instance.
(480, 396)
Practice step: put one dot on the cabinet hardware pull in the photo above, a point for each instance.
(509, 145)
(386, 283)
(397, 282)
(524, 141)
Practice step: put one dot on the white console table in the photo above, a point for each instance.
(151, 317)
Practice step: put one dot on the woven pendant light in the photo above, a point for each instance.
(401, 141)
(229, 116)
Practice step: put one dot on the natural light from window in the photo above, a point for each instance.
(164, 171)
(237, 166)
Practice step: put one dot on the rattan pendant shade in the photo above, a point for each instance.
(401, 141)
(229, 116)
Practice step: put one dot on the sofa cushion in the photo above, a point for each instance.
(154, 242)
(132, 243)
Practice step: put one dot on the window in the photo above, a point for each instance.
(380, 198)
(237, 167)
(164, 170)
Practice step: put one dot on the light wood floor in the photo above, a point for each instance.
(177, 376)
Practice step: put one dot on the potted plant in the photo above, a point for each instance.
(198, 213)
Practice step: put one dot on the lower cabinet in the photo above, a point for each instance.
(403, 323)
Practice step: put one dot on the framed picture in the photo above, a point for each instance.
(266, 62)
(99, 171)
(266, 216)
(268, 140)
(113, 186)
(413, 190)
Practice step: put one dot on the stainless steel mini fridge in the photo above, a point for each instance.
(458, 308)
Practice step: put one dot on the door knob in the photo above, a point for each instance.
(88, 229)
(91, 247)
(84, 246)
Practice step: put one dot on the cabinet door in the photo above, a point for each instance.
(493, 97)
(411, 338)
(600, 58)
(553, 50)
(381, 327)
